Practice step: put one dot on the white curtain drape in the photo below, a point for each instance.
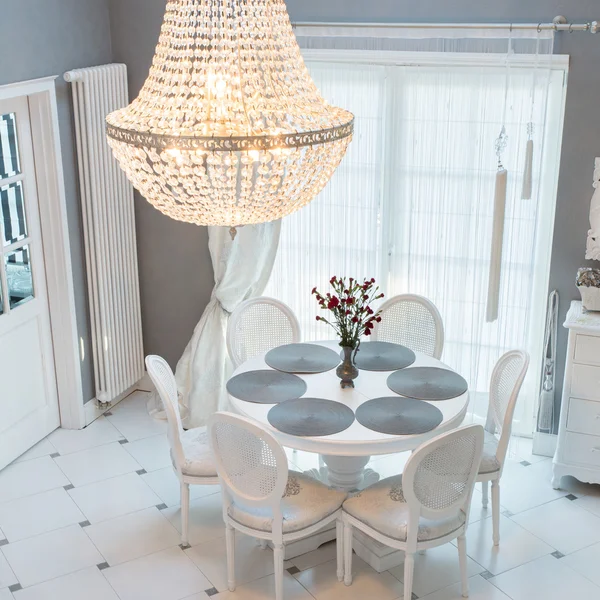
(242, 268)
(412, 202)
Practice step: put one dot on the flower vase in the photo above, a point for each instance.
(347, 371)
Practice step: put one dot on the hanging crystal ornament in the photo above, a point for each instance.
(229, 128)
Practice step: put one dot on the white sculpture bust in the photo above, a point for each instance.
(593, 241)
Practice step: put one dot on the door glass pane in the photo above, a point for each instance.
(12, 213)
(9, 150)
(19, 276)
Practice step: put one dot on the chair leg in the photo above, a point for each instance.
(484, 494)
(462, 559)
(409, 568)
(496, 510)
(185, 512)
(339, 546)
(230, 546)
(278, 563)
(347, 544)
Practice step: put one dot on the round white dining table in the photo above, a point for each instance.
(347, 453)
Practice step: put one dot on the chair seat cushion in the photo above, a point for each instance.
(489, 462)
(199, 460)
(306, 502)
(382, 507)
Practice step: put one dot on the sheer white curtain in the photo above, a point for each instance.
(340, 232)
(241, 269)
(412, 204)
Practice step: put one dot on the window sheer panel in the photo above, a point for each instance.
(412, 204)
(441, 215)
(339, 233)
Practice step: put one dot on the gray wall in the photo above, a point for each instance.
(176, 277)
(175, 266)
(48, 37)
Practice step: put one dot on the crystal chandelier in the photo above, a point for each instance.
(229, 128)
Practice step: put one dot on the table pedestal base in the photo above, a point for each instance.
(346, 472)
(380, 557)
(310, 543)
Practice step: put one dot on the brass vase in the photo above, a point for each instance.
(347, 371)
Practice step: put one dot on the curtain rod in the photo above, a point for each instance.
(558, 24)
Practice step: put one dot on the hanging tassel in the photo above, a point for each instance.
(493, 300)
(528, 172)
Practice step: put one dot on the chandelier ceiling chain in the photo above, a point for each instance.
(229, 128)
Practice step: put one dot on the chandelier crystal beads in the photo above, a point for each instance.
(229, 128)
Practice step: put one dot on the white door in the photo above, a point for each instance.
(28, 394)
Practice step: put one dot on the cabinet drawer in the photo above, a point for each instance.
(585, 382)
(584, 417)
(583, 449)
(587, 350)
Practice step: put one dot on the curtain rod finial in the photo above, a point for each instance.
(560, 20)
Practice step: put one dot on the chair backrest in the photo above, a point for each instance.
(258, 325)
(163, 379)
(505, 385)
(439, 476)
(251, 463)
(413, 321)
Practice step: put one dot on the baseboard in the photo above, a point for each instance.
(544, 444)
(93, 409)
(145, 384)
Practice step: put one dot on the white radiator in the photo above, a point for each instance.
(109, 233)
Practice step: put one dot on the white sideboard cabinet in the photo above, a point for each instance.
(578, 448)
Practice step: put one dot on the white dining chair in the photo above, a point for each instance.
(507, 379)
(258, 325)
(261, 498)
(190, 450)
(425, 507)
(414, 322)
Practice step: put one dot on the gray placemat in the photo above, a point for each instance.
(311, 417)
(302, 358)
(427, 383)
(398, 416)
(383, 356)
(266, 387)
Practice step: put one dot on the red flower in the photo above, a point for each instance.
(378, 319)
(355, 319)
(369, 310)
(314, 290)
(368, 332)
(332, 280)
(333, 303)
(365, 297)
(318, 318)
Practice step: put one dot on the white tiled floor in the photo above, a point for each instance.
(94, 515)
